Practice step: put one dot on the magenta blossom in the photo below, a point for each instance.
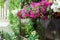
(18, 14)
(32, 15)
(42, 3)
(23, 11)
(27, 15)
(46, 17)
(38, 15)
(22, 14)
(43, 10)
(34, 4)
(37, 9)
(43, 0)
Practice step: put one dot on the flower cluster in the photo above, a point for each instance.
(35, 10)
(56, 6)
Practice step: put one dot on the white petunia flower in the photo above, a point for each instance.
(56, 6)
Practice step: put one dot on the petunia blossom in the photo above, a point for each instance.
(18, 14)
(32, 15)
(43, 0)
(34, 4)
(46, 17)
(23, 11)
(36, 8)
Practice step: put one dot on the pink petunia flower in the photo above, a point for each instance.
(22, 14)
(43, 0)
(18, 14)
(32, 15)
(38, 15)
(46, 17)
(23, 11)
(34, 4)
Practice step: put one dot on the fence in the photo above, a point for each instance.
(4, 12)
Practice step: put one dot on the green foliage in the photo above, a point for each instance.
(2, 2)
(14, 24)
(41, 29)
(7, 36)
(28, 1)
(10, 36)
(33, 36)
(29, 27)
(13, 4)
